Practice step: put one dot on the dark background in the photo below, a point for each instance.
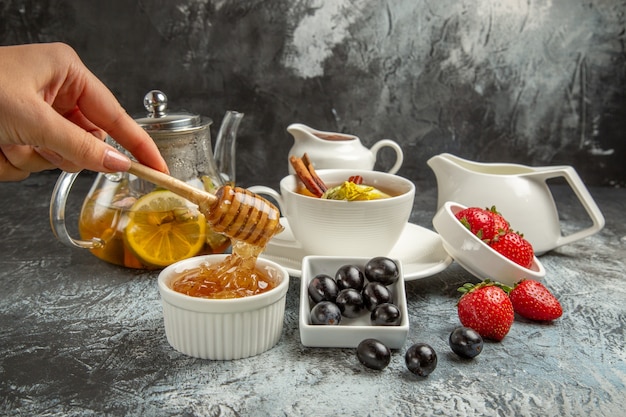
(534, 82)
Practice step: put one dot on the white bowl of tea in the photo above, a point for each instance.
(211, 314)
(342, 227)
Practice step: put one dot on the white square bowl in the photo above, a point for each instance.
(350, 332)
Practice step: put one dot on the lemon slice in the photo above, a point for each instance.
(164, 228)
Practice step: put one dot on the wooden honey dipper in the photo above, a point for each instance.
(232, 211)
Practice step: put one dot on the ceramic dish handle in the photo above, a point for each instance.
(263, 190)
(277, 240)
(590, 206)
(397, 149)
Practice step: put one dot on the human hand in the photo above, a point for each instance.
(55, 113)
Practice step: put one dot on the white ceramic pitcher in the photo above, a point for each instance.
(519, 192)
(329, 150)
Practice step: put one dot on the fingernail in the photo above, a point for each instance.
(50, 156)
(116, 161)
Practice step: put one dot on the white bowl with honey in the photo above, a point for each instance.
(211, 314)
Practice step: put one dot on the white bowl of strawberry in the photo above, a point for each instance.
(485, 244)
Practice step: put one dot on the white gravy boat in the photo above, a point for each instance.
(519, 192)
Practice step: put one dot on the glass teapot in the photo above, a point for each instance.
(130, 222)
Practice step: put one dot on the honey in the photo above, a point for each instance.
(235, 277)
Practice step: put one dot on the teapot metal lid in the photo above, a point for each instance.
(159, 120)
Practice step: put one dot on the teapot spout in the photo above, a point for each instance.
(225, 146)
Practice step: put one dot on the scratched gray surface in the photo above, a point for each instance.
(83, 338)
(532, 81)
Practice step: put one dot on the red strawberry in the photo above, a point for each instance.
(486, 224)
(477, 220)
(513, 246)
(500, 225)
(531, 299)
(486, 308)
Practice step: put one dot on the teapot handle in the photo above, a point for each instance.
(57, 213)
(585, 198)
(392, 144)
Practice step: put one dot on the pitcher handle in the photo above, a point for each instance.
(57, 213)
(392, 144)
(585, 198)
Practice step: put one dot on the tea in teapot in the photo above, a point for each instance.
(128, 221)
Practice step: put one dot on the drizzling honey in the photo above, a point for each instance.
(247, 219)
(250, 222)
(237, 276)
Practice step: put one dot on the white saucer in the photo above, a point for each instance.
(420, 250)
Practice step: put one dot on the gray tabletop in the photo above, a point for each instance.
(82, 337)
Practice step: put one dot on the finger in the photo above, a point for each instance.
(57, 160)
(25, 158)
(8, 172)
(102, 109)
(78, 147)
(78, 118)
(73, 146)
(132, 137)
